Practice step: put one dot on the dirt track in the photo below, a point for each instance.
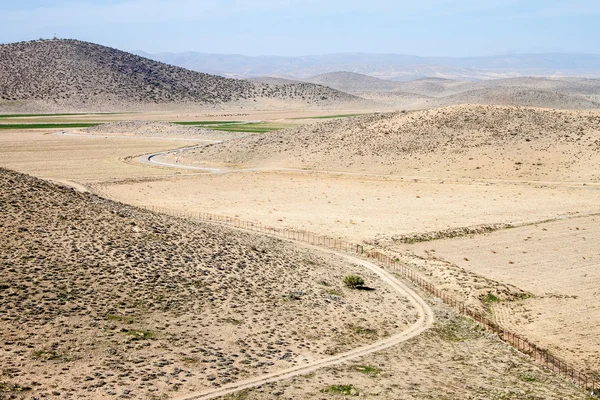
(424, 321)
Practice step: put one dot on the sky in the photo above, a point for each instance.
(446, 28)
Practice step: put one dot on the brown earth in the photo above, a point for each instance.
(555, 263)
(99, 298)
(489, 142)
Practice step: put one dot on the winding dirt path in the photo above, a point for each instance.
(424, 321)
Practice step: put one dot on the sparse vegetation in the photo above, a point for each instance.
(367, 369)
(346, 390)
(67, 71)
(47, 355)
(490, 298)
(354, 281)
(139, 334)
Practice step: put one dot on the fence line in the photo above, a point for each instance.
(539, 354)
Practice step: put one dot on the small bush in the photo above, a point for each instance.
(347, 390)
(367, 369)
(354, 281)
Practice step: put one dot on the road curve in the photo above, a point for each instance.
(424, 322)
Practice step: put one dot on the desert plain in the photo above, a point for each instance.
(490, 190)
(473, 233)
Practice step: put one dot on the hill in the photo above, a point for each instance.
(518, 96)
(86, 75)
(579, 86)
(273, 80)
(352, 82)
(461, 141)
(100, 299)
(433, 87)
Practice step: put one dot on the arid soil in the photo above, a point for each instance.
(450, 361)
(45, 155)
(555, 264)
(351, 207)
(527, 165)
(100, 299)
(462, 141)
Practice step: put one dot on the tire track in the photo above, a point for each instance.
(424, 321)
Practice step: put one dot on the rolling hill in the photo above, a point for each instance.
(494, 142)
(85, 75)
(352, 82)
(518, 96)
(98, 298)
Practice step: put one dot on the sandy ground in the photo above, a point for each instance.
(557, 263)
(353, 207)
(99, 299)
(78, 158)
(374, 209)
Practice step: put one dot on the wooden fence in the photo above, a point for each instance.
(539, 354)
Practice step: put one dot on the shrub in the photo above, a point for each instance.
(354, 281)
(347, 390)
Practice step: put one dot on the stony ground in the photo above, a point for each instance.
(99, 299)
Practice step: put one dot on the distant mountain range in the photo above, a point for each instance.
(387, 66)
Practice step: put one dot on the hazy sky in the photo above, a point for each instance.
(304, 27)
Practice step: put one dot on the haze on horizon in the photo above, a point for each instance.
(443, 28)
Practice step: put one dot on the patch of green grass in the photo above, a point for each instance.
(346, 390)
(490, 298)
(241, 395)
(139, 334)
(527, 378)
(48, 126)
(48, 355)
(363, 331)
(367, 369)
(252, 127)
(119, 318)
(206, 122)
(335, 292)
(53, 115)
(232, 321)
